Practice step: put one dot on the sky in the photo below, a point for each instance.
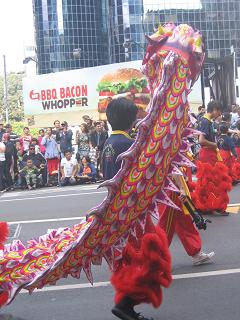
(16, 30)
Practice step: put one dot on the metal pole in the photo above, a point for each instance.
(5, 88)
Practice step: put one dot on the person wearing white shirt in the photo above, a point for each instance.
(68, 169)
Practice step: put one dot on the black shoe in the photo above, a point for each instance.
(128, 314)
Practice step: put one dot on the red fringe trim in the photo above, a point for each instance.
(212, 187)
(3, 233)
(143, 271)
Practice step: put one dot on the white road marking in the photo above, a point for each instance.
(45, 220)
(54, 196)
(107, 283)
(68, 218)
(48, 190)
(234, 204)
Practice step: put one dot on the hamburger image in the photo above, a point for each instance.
(125, 82)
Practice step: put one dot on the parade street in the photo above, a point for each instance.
(199, 293)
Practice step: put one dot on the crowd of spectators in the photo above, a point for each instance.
(60, 155)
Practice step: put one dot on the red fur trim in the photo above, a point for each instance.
(236, 170)
(3, 233)
(213, 184)
(3, 298)
(143, 271)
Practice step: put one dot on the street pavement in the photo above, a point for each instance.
(199, 293)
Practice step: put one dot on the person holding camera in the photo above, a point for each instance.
(64, 137)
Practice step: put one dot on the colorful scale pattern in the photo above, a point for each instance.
(134, 190)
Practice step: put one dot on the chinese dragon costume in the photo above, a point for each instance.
(121, 223)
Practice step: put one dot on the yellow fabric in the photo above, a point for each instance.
(207, 116)
(121, 132)
(219, 157)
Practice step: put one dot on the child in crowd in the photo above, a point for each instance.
(35, 143)
(68, 169)
(30, 173)
(87, 171)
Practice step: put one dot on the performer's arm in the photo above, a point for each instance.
(205, 143)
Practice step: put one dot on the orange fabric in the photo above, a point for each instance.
(86, 170)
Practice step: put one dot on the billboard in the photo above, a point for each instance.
(71, 94)
(67, 95)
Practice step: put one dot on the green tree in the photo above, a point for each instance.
(15, 99)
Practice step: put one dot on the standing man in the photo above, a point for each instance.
(9, 160)
(207, 139)
(2, 164)
(136, 280)
(97, 140)
(64, 137)
(213, 184)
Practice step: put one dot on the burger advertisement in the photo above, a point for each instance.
(129, 83)
(71, 94)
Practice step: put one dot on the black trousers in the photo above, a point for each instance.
(8, 177)
(2, 172)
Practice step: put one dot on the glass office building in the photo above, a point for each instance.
(68, 34)
(74, 34)
(217, 19)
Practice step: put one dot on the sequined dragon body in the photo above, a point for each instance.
(172, 63)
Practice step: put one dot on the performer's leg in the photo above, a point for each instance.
(188, 234)
(167, 221)
(141, 273)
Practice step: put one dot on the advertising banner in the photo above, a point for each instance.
(70, 91)
(71, 94)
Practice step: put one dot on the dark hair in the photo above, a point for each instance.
(223, 128)
(41, 130)
(67, 151)
(56, 121)
(87, 159)
(64, 124)
(8, 125)
(85, 127)
(25, 128)
(32, 146)
(200, 108)
(121, 113)
(215, 104)
(226, 116)
(35, 139)
(105, 125)
(97, 123)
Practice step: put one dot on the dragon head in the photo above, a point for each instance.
(181, 39)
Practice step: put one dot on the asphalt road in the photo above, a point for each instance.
(199, 293)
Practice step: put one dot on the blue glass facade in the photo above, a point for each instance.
(68, 34)
(74, 34)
